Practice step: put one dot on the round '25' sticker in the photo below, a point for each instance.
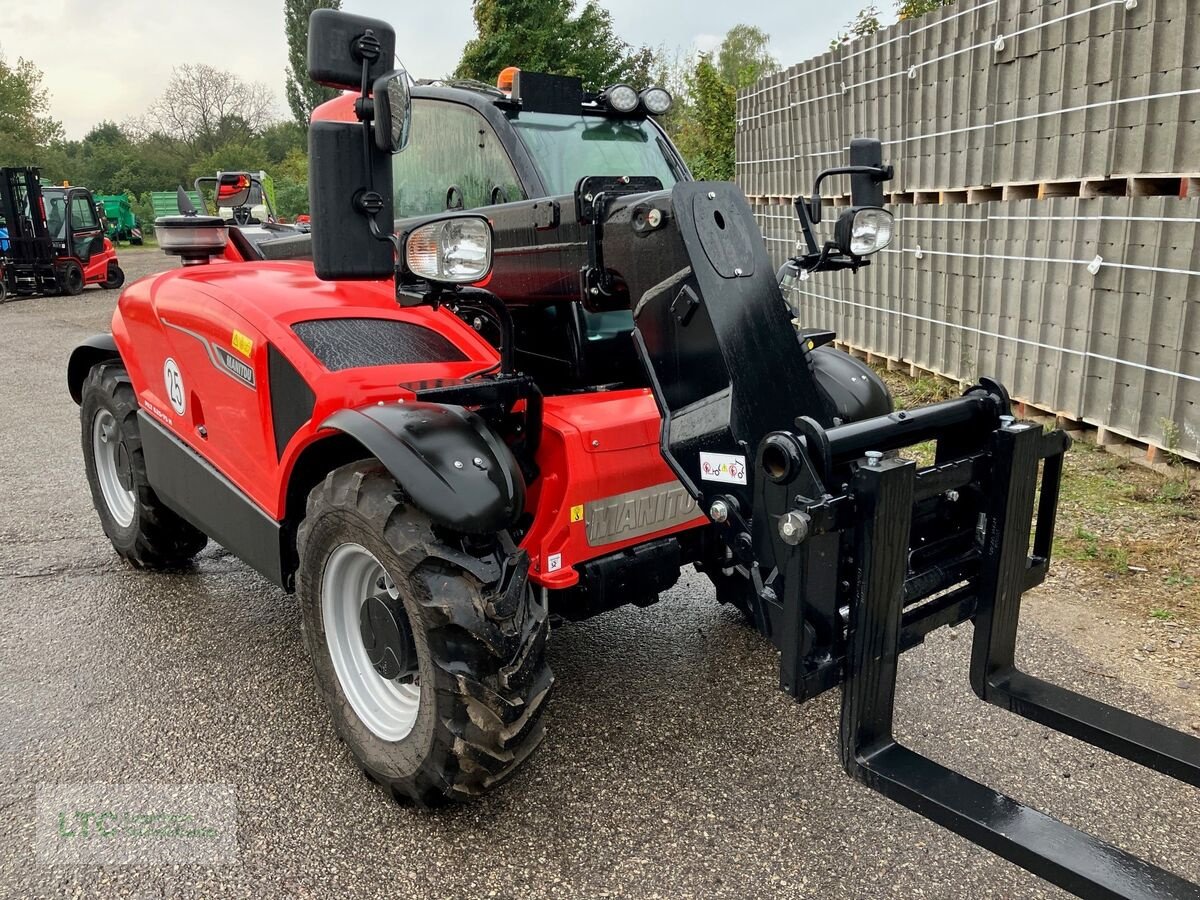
(173, 379)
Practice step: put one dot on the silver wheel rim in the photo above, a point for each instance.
(387, 708)
(106, 450)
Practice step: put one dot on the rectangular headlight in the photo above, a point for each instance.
(862, 231)
(455, 250)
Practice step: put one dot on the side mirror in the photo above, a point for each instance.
(341, 178)
(350, 166)
(233, 189)
(340, 43)
(393, 111)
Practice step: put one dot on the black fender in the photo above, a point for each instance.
(95, 349)
(852, 388)
(445, 458)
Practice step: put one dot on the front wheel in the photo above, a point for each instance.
(70, 278)
(140, 528)
(428, 650)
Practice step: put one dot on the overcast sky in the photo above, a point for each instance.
(108, 60)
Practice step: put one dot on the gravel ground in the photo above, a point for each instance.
(673, 766)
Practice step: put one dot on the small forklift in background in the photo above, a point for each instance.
(54, 241)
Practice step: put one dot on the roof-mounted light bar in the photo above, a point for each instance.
(538, 92)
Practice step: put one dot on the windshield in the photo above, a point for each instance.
(567, 148)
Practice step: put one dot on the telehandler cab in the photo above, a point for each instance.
(528, 367)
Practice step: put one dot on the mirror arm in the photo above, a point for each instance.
(877, 173)
(805, 223)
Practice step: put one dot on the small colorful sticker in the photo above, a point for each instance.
(577, 513)
(723, 467)
(173, 381)
(241, 343)
(554, 563)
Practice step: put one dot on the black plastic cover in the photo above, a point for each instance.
(445, 459)
(292, 400)
(560, 94)
(342, 244)
(852, 388)
(331, 57)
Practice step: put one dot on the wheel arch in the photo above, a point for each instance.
(96, 349)
(420, 444)
(445, 458)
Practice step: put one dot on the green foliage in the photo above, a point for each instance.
(742, 58)
(25, 127)
(292, 197)
(303, 94)
(865, 23)
(545, 36)
(705, 137)
(910, 9)
(112, 159)
(203, 108)
(703, 119)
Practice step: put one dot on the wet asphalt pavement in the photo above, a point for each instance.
(672, 767)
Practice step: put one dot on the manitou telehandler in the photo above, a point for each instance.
(528, 367)
(55, 242)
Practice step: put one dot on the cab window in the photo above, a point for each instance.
(83, 214)
(453, 158)
(567, 148)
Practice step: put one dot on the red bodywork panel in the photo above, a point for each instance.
(594, 445)
(95, 270)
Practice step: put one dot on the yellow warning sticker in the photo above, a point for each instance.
(241, 343)
(577, 513)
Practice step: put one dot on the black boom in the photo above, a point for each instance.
(852, 554)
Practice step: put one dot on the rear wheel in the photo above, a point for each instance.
(116, 277)
(70, 278)
(429, 654)
(141, 529)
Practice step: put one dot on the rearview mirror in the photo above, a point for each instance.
(393, 111)
(339, 43)
(233, 189)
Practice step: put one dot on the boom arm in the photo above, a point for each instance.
(852, 554)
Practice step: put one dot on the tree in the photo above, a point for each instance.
(910, 9)
(26, 129)
(542, 36)
(742, 58)
(204, 107)
(865, 23)
(303, 94)
(705, 135)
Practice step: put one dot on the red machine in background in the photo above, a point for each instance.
(53, 240)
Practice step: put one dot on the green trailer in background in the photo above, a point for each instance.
(166, 203)
(123, 225)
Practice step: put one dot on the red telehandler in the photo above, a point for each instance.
(528, 367)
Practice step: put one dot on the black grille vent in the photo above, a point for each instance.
(356, 343)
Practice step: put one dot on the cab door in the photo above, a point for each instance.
(84, 234)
